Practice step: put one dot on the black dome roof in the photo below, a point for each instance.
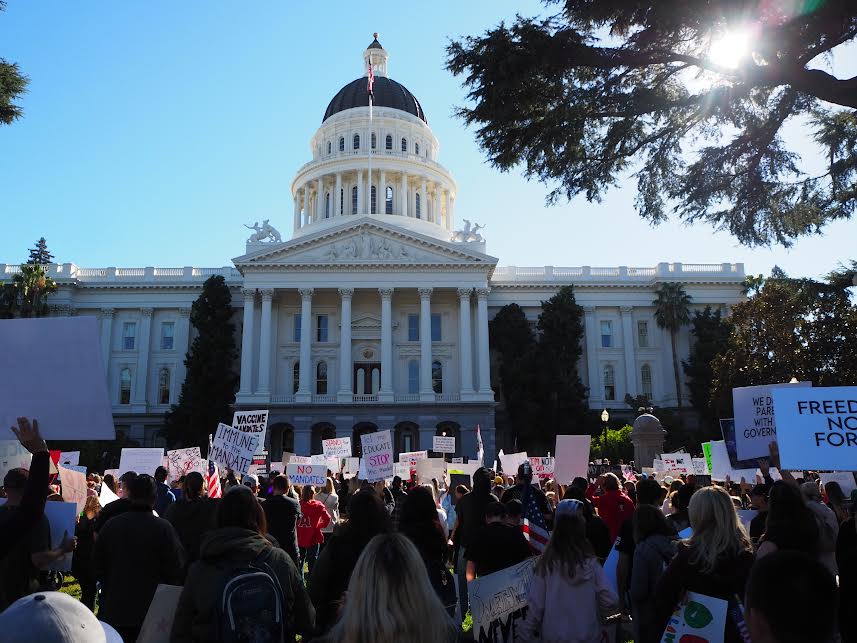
(388, 93)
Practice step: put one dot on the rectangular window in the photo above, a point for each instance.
(407, 442)
(297, 326)
(413, 377)
(643, 334)
(129, 335)
(167, 335)
(435, 327)
(321, 328)
(606, 334)
(413, 328)
(609, 383)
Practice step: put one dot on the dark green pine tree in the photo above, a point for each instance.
(40, 255)
(208, 392)
(711, 338)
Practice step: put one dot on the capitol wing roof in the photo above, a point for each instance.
(364, 242)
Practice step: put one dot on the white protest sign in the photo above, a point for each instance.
(571, 457)
(321, 459)
(106, 496)
(181, 462)
(141, 460)
(337, 447)
(70, 457)
(700, 467)
(722, 467)
(454, 460)
(746, 517)
(755, 422)
(498, 602)
(402, 469)
(659, 465)
(233, 449)
(303, 474)
(73, 486)
(817, 427)
(377, 455)
(255, 422)
(352, 466)
(431, 468)
(681, 462)
(162, 612)
(543, 467)
(467, 468)
(13, 456)
(511, 461)
(697, 617)
(66, 350)
(845, 479)
(443, 444)
(62, 518)
(412, 457)
(611, 563)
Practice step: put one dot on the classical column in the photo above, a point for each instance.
(369, 192)
(590, 335)
(319, 200)
(344, 394)
(337, 197)
(465, 349)
(183, 344)
(305, 188)
(446, 207)
(451, 210)
(106, 335)
(424, 209)
(304, 390)
(628, 349)
(386, 392)
(482, 342)
(426, 391)
(382, 192)
(143, 356)
(403, 196)
(435, 205)
(359, 190)
(266, 330)
(297, 221)
(249, 295)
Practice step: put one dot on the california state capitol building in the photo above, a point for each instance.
(374, 314)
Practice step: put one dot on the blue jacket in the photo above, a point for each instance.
(165, 498)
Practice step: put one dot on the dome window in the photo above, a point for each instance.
(388, 200)
(417, 149)
(327, 205)
(354, 200)
(374, 141)
(341, 143)
(404, 145)
(329, 147)
(388, 142)
(374, 200)
(417, 209)
(356, 142)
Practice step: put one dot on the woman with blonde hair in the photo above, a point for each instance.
(327, 496)
(390, 599)
(714, 561)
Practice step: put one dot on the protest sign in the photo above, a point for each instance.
(62, 517)
(402, 469)
(112, 472)
(845, 479)
(13, 456)
(259, 465)
(817, 427)
(181, 462)
(727, 428)
(73, 486)
(498, 602)
(106, 496)
(413, 456)
(700, 467)
(610, 565)
(233, 448)
(721, 467)
(352, 466)
(706, 453)
(329, 463)
(571, 457)
(70, 457)
(455, 460)
(377, 455)
(467, 468)
(511, 461)
(66, 350)
(141, 460)
(746, 517)
(680, 462)
(255, 422)
(303, 474)
(431, 468)
(300, 459)
(755, 421)
(337, 447)
(543, 467)
(456, 478)
(161, 614)
(697, 618)
(443, 444)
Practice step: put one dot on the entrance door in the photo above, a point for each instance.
(367, 378)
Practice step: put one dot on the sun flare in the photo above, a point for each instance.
(730, 48)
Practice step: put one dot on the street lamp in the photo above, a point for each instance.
(605, 417)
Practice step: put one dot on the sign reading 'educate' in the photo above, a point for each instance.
(817, 427)
(377, 455)
(233, 448)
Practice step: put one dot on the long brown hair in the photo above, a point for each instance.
(568, 547)
(240, 508)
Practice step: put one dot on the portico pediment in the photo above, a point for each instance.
(361, 242)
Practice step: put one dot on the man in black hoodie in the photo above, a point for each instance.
(282, 513)
(192, 516)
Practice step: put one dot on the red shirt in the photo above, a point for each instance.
(614, 507)
(309, 525)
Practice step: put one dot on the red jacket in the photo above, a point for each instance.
(309, 526)
(614, 507)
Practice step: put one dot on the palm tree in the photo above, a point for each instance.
(671, 312)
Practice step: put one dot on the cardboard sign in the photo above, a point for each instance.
(698, 618)
(402, 469)
(62, 517)
(304, 474)
(443, 444)
(181, 462)
(413, 456)
(457, 460)
(681, 462)
(70, 457)
(467, 468)
(337, 447)
(431, 468)
(745, 516)
(106, 496)
(377, 455)
(162, 612)
(456, 479)
(727, 428)
(706, 453)
(755, 421)
(511, 461)
(13, 456)
(845, 479)
(352, 466)
(498, 602)
(65, 351)
(721, 467)
(73, 486)
(543, 467)
(255, 422)
(141, 460)
(611, 563)
(817, 427)
(572, 457)
(233, 448)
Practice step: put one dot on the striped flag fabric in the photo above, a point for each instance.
(371, 82)
(212, 479)
(533, 525)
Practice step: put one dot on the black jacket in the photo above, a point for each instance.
(192, 520)
(282, 513)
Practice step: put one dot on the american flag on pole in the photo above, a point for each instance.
(533, 525)
(212, 477)
(480, 449)
(371, 83)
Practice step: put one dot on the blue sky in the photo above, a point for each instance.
(154, 130)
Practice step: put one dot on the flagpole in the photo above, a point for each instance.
(369, 195)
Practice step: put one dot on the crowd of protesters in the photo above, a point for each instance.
(356, 561)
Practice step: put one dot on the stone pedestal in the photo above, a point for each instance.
(648, 439)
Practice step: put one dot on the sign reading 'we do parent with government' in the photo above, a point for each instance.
(817, 427)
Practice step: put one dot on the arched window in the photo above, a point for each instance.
(609, 383)
(374, 141)
(404, 145)
(341, 201)
(164, 386)
(356, 142)
(374, 199)
(416, 148)
(354, 200)
(341, 143)
(329, 147)
(437, 377)
(417, 209)
(321, 378)
(296, 377)
(388, 142)
(327, 205)
(125, 386)
(413, 376)
(646, 379)
(388, 200)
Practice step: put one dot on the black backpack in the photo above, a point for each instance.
(250, 609)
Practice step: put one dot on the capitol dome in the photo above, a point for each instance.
(387, 93)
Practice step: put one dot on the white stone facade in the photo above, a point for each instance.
(371, 317)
